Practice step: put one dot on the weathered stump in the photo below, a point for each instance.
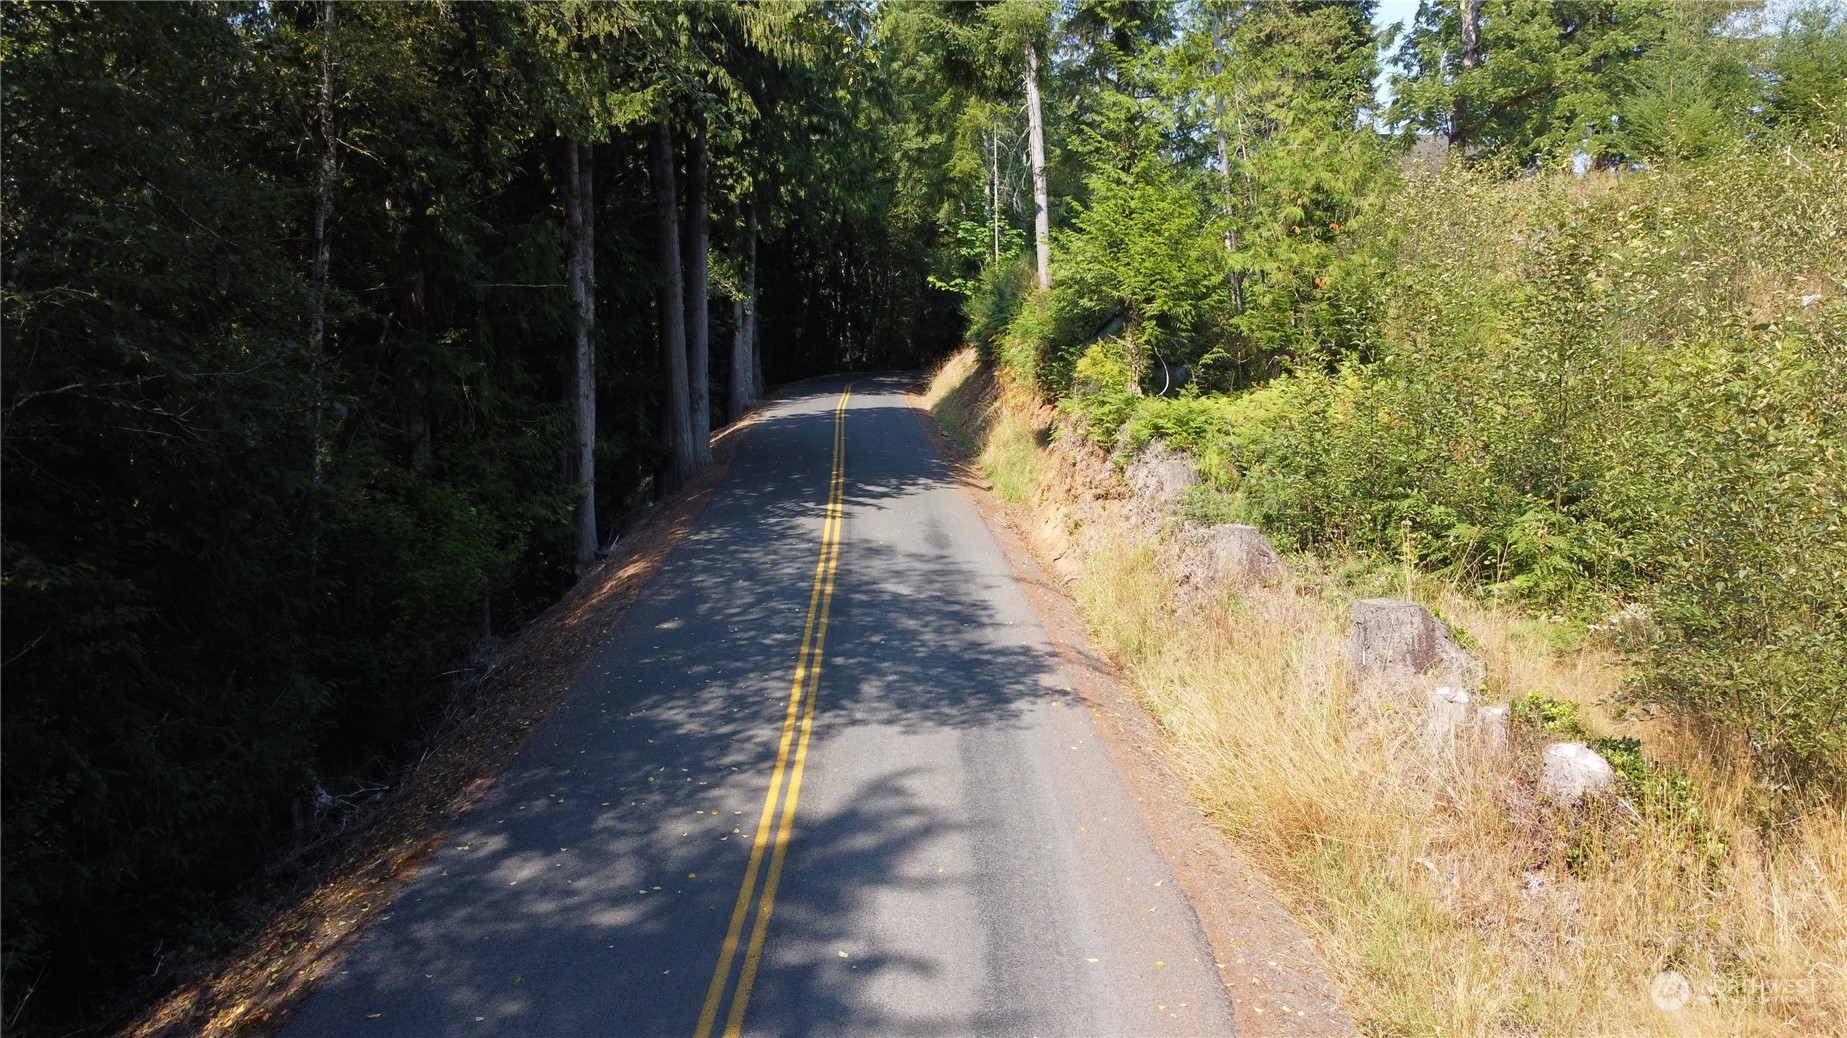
(1160, 478)
(1492, 722)
(1393, 640)
(1449, 714)
(1573, 771)
(1234, 555)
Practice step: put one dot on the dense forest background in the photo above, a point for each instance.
(339, 337)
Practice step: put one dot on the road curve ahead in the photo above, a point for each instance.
(825, 777)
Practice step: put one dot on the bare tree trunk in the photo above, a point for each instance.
(1459, 129)
(319, 268)
(744, 381)
(737, 390)
(676, 413)
(752, 348)
(994, 188)
(579, 209)
(1234, 278)
(698, 315)
(1035, 121)
(1233, 282)
(323, 214)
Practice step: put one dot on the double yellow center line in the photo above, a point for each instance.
(779, 805)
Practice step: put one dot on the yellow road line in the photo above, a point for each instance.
(802, 694)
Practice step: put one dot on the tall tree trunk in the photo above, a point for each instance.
(1234, 278)
(676, 413)
(698, 314)
(320, 266)
(1459, 129)
(580, 220)
(753, 348)
(994, 188)
(1035, 121)
(745, 383)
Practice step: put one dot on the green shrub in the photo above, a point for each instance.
(1555, 717)
(996, 301)
(1102, 391)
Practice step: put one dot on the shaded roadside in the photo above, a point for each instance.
(303, 931)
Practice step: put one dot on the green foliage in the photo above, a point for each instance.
(1546, 82)
(1808, 74)
(1103, 390)
(1599, 384)
(1559, 718)
(1142, 246)
(997, 301)
(235, 560)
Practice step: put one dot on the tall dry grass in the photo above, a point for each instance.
(1446, 898)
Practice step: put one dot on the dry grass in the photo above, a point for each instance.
(993, 425)
(1446, 898)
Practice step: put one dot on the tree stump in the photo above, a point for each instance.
(1160, 478)
(1573, 771)
(1393, 640)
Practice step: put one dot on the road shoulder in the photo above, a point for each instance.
(1267, 959)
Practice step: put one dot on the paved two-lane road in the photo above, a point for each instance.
(946, 848)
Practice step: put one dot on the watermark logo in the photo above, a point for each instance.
(1768, 990)
(1670, 991)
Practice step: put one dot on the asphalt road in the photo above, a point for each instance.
(960, 857)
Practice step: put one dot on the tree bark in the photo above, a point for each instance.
(698, 314)
(320, 267)
(580, 221)
(745, 382)
(1035, 120)
(754, 348)
(676, 413)
(323, 241)
(1459, 129)
(994, 188)
(1234, 280)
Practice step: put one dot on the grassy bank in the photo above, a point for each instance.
(1445, 896)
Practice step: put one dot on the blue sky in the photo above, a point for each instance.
(1394, 11)
(1389, 12)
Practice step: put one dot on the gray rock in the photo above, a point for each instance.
(1449, 714)
(1395, 639)
(1573, 771)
